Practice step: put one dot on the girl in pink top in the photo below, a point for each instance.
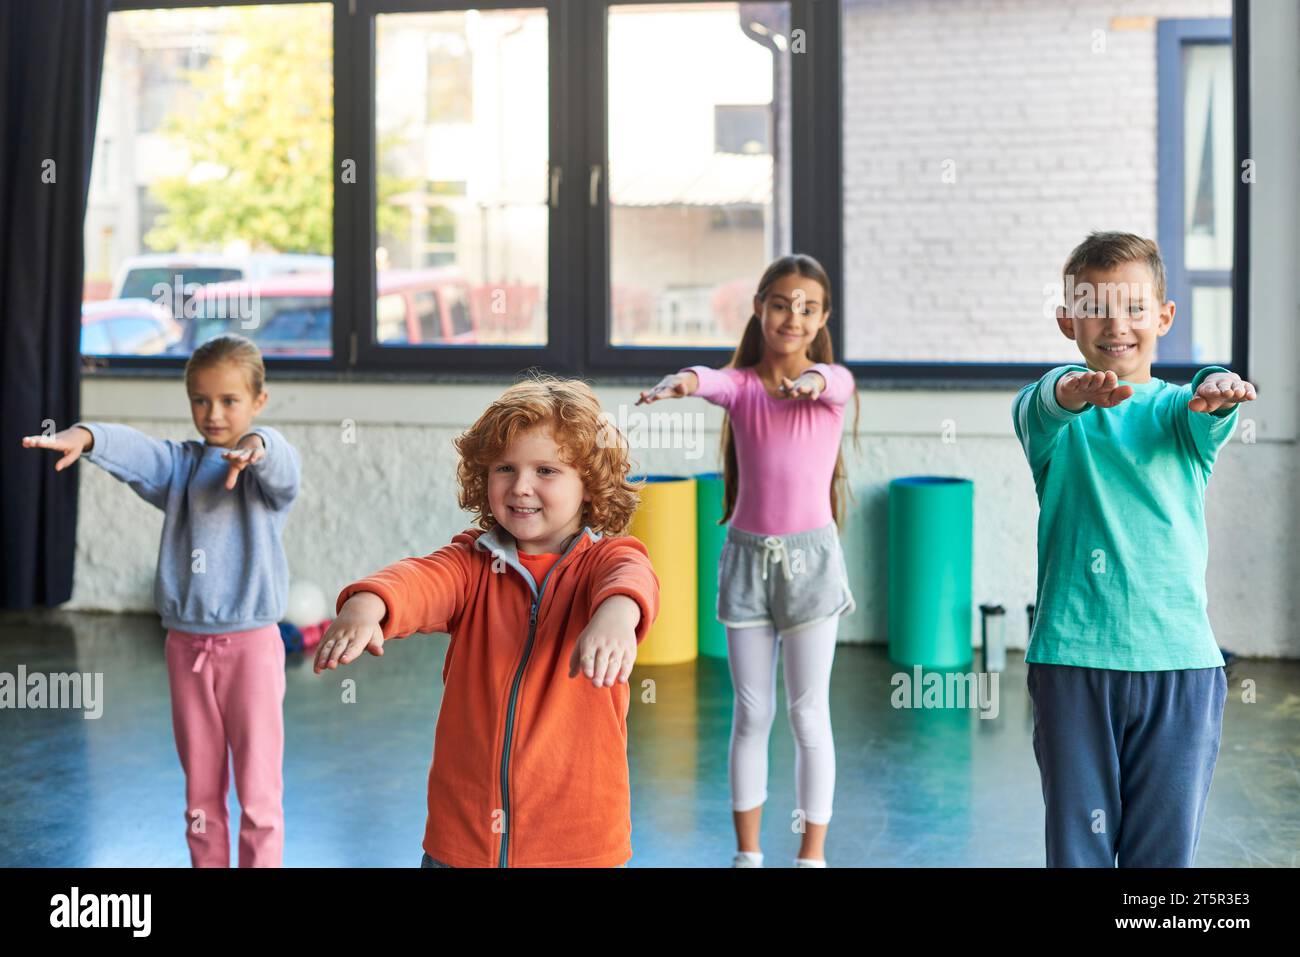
(781, 576)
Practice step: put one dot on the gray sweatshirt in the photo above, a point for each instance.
(221, 566)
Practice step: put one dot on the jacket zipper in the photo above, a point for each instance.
(514, 695)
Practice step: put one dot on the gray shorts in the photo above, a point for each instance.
(789, 582)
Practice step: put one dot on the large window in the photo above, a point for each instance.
(983, 141)
(210, 205)
(699, 165)
(594, 187)
(1198, 175)
(462, 139)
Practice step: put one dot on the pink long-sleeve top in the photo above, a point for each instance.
(785, 448)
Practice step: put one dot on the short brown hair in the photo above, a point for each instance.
(570, 410)
(1106, 250)
(231, 348)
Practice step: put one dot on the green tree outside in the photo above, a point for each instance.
(261, 119)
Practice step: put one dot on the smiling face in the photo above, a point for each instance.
(792, 314)
(223, 404)
(534, 494)
(1116, 318)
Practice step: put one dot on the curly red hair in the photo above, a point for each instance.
(588, 441)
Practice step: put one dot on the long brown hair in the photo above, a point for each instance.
(750, 351)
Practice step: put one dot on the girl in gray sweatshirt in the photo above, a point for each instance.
(221, 587)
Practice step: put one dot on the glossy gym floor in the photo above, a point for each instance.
(915, 788)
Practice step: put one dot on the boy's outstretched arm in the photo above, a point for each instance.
(1213, 398)
(1039, 413)
(624, 604)
(1076, 391)
(356, 629)
(1219, 391)
(413, 595)
(606, 649)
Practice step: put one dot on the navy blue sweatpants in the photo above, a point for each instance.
(1126, 759)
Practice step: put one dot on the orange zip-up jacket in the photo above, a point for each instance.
(529, 765)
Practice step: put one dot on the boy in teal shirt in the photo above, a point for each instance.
(1126, 679)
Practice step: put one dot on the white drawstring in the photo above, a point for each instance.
(774, 550)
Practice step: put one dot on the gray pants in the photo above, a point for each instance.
(1126, 759)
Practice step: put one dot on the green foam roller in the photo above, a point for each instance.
(931, 522)
(708, 549)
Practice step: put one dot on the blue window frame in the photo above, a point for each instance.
(1186, 273)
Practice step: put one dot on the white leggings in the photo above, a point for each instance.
(752, 654)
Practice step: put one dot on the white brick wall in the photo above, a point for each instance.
(1049, 139)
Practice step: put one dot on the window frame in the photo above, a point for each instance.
(815, 201)
(1173, 36)
(578, 260)
(359, 210)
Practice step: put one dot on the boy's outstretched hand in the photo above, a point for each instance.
(606, 649)
(356, 629)
(71, 442)
(1222, 390)
(1074, 390)
(249, 449)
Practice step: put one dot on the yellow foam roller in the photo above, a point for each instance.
(665, 524)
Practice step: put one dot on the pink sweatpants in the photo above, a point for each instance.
(228, 693)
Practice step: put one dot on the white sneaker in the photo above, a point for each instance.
(747, 859)
(808, 862)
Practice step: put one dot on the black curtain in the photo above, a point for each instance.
(51, 55)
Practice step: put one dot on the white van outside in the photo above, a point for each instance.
(139, 275)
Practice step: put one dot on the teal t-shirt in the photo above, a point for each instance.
(1122, 546)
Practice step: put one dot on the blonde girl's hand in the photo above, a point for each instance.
(250, 449)
(1074, 390)
(71, 442)
(347, 636)
(1220, 391)
(808, 386)
(606, 649)
(675, 386)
